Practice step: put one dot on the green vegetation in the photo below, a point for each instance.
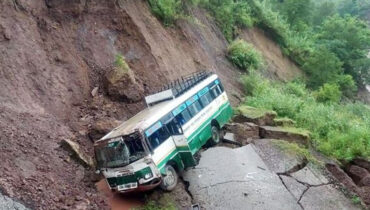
(328, 93)
(253, 112)
(327, 39)
(338, 130)
(166, 10)
(284, 121)
(244, 56)
(120, 63)
(295, 149)
(355, 199)
(163, 203)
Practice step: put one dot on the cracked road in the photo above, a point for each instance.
(239, 178)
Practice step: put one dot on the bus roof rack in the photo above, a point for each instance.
(176, 87)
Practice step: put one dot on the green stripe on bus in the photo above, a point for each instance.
(222, 116)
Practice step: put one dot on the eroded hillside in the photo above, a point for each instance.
(53, 53)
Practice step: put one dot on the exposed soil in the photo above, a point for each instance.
(53, 53)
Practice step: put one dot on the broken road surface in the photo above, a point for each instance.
(239, 179)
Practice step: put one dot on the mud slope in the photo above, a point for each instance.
(278, 66)
(52, 54)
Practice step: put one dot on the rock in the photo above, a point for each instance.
(94, 91)
(293, 186)
(229, 138)
(285, 133)
(243, 131)
(78, 153)
(102, 127)
(362, 163)
(257, 116)
(310, 176)
(121, 85)
(365, 194)
(342, 177)
(7, 203)
(326, 197)
(365, 181)
(357, 173)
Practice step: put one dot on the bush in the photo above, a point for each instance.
(328, 93)
(120, 62)
(338, 130)
(166, 10)
(229, 15)
(322, 66)
(244, 56)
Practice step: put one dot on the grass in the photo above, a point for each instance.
(253, 112)
(339, 130)
(284, 121)
(295, 130)
(295, 149)
(356, 200)
(165, 202)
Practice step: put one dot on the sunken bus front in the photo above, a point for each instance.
(151, 148)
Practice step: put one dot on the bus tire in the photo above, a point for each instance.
(169, 181)
(215, 135)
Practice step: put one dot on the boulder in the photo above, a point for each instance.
(342, 177)
(243, 131)
(365, 195)
(365, 181)
(121, 85)
(254, 115)
(102, 127)
(357, 173)
(285, 133)
(77, 153)
(362, 163)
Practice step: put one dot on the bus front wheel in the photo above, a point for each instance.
(169, 181)
(216, 136)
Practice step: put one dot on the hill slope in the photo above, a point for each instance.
(54, 52)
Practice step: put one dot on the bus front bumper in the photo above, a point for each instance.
(135, 187)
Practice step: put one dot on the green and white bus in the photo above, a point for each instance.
(151, 148)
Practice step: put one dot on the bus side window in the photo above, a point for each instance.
(206, 99)
(158, 137)
(183, 117)
(174, 127)
(194, 108)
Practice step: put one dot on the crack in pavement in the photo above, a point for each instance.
(294, 169)
(220, 183)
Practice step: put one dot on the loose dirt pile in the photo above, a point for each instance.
(53, 53)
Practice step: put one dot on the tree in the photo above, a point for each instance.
(322, 66)
(322, 11)
(297, 11)
(349, 38)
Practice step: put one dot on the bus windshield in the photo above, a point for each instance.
(120, 153)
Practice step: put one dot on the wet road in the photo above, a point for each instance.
(237, 179)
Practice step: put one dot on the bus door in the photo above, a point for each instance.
(175, 130)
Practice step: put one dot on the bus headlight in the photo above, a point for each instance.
(148, 175)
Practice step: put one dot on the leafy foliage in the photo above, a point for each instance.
(244, 56)
(338, 130)
(322, 66)
(328, 93)
(349, 38)
(166, 10)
